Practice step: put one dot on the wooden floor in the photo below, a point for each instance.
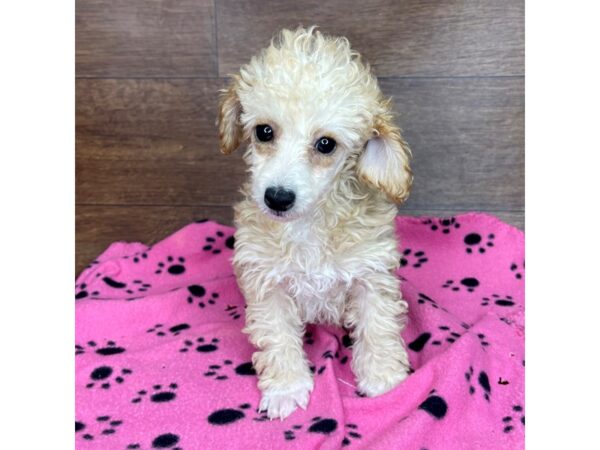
(148, 72)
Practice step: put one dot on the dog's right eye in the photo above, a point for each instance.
(264, 133)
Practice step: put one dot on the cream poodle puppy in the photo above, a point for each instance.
(315, 240)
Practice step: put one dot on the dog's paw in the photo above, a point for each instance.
(280, 402)
(379, 382)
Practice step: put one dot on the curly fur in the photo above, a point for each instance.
(330, 259)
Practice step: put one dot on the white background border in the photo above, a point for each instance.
(562, 126)
(37, 224)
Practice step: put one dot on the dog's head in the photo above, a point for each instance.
(305, 106)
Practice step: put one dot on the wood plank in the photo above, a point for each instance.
(213, 181)
(147, 145)
(99, 226)
(152, 38)
(467, 138)
(147, 119)
(399, 38)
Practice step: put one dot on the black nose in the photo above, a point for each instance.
(279, 199)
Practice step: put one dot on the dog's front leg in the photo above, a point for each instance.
(376, 316)
(284, 377)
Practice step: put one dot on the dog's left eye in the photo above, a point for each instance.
(264, 133)
(325, 145)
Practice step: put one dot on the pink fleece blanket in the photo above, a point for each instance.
(161, 361)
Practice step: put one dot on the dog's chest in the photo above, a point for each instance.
(317, 280)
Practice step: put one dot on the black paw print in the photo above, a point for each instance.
(111, 348)
(415, 259)
(329, 354)
(244, 369)
(101, 377)
(159, 395)
(174, 266)
(175, 330)
(137, 257)
(104, 426)
(518, 271)
(426, 299)
(232, 311)
(211, 243)
(451, 336)
(202, 345)
(140, 286)
(213, 370)
(444, 224)
(473, 241)
(419, 343)
(198, 293)
(83, 293)
(309, 338)
(506, 320)
(508, 421)
(435, 405)
(483, 381)
(470, 283)
(319, 371)
(228, 415)
(323, 426)
(114, 283)
(165, 440)
(507, 300)
(347, 340)
(482, 340)
(317, 425)
(290, 435)
(352, 434)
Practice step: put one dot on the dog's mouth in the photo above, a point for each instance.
(279, 216)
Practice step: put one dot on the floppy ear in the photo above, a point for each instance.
(384, 163)
(230, 129)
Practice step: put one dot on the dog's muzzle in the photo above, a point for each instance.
(279, 199)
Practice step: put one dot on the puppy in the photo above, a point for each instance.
(315, 240)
